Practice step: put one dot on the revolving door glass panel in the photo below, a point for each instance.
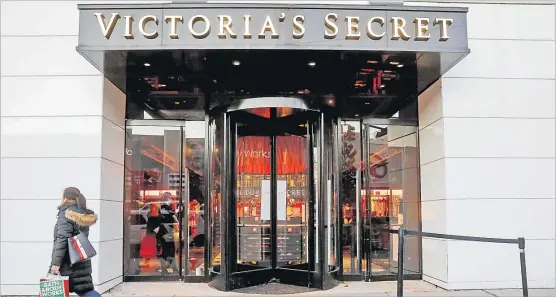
(273, 233)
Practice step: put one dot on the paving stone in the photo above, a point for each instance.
(354, 289)
(519, 292)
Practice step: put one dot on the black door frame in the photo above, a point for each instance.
(183, 199)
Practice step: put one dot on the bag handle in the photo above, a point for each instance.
(54, 276)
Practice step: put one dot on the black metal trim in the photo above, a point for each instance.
(225, 205)
(273, 198)
(359, 222)
(322, 199)
(339, 220)
(206, 192)
(311, 210)
(183, 209)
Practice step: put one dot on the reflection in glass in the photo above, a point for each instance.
(351, 171)
(194, 182)
(390, 197)
(253, 200)
(331, 196)
(216, 140)
(293, 199)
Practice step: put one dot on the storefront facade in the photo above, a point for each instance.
(275, 141)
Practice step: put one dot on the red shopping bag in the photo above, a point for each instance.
(148, 246)
(54, 286)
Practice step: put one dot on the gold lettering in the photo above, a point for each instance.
(268, 26)
(225, 25)
(143, 26)
(422, 29)
(352, 28)
(107, 30)
(398, 30)
(298, 28)
(195, 19)
(247, 22)
(174, 19)
(370, 32)
(444, 23)
(329, 23)
(128, 27)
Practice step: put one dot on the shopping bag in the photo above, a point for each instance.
(54, 286)
(148, 247)
(80, 248)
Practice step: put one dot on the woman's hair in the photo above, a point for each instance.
(70, 196)
(71, 193)
(81, 201)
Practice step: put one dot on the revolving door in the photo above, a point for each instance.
(266, 215)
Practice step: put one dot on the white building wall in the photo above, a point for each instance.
(487, 136)
(62, 125)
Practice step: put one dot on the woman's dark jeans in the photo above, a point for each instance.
(92, 293)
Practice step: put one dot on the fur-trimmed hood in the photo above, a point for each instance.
(82, 217)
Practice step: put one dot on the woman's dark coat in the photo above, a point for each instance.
(166, 223)
(71, 221)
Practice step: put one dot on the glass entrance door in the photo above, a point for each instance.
(272, 179)
(164, 200)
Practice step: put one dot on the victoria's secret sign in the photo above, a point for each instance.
(200, 26)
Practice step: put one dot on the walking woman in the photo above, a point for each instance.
(73, 218)
(165, 235)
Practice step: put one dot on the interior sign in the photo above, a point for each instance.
(200, 26)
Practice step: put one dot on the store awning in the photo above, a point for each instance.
(437, 36)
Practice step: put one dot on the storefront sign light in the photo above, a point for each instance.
(200, 26)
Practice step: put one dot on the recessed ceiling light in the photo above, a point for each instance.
(312, 63)
(162, 86)
(177, 102)
(147, 64)
(236, 62)
(394, 62)
(367, 103)
(214, 80)
(400, 65)
(382, 86)
(372, 62)
(356, 114)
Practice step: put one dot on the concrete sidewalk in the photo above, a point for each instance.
(412, 288)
